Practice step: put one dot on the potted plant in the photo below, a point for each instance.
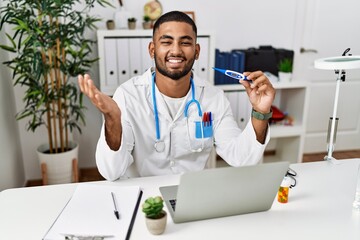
(147, 22)
(285, 70)
(50, 50)
(132, 23)
(156, 217)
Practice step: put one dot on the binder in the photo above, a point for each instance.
(111, 70)
(90, 212)
(202, 64)
(233, 60)
(123, 58)
(220, 62)
(240, 66)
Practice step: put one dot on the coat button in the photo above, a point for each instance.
(172, 163)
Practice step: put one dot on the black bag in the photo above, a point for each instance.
(265, 58)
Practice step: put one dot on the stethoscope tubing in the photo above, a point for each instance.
(159, 145)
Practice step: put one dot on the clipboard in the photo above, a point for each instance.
(90, 213)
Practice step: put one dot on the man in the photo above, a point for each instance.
(168, 120)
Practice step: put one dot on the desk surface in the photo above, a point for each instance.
(319, 207)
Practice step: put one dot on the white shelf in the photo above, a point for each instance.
(286, 131)
(277, 85)
(286, 141)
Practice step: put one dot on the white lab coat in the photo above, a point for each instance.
(134, 98)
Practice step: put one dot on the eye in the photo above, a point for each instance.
(186, 43)
(165, 42)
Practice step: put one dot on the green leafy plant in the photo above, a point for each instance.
(146, 18)
(48, 39)
(132, 19)
(153, 207)
(285, 65)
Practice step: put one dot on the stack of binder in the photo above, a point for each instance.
(233, 60)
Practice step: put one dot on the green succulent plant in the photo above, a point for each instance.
(146, 18)
(285, 65)
(153, 207)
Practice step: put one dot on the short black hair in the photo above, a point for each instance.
(175, 16)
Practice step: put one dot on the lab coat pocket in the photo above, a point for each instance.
(203, 130)
(200, 136)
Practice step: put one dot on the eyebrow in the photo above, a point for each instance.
(170, 37)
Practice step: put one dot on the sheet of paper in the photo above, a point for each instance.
(90, 212)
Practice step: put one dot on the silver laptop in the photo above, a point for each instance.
(226, 191)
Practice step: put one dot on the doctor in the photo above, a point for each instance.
(167, 120)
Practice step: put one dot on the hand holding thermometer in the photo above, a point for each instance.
(232, 74)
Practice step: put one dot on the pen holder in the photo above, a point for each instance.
(207, 130)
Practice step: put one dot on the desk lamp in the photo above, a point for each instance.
(339, 65)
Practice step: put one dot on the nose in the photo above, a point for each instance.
(176, 48)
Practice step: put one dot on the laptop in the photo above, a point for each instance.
(226, 191)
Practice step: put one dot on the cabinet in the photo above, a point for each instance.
(316, 24)
(287, 142)
(124, 54)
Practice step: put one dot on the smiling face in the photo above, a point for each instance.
(174, 49)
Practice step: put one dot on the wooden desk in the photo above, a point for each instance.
(320, 207)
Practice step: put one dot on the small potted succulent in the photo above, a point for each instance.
(285, 70)
(146, 22)
(155, 216)
(132, 23)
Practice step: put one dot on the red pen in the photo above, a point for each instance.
(205, 118)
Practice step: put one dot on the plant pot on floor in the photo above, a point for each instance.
(59, 168)
(156, 226)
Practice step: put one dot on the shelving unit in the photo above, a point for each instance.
(287, 142)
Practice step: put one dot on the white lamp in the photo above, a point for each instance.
(339, 64)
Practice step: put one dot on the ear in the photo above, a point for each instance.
(197, 51)
(151, 49)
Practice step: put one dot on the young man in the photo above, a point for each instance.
(168, 120)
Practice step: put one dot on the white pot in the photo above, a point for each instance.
(285, 76)
(156, 226)
(59, 166)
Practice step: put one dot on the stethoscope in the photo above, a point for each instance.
(160, 144)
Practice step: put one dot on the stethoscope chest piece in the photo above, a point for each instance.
(159, 146)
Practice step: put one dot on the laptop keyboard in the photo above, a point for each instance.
(173, 203)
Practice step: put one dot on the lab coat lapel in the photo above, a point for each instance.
(199, 90)
(161, 105)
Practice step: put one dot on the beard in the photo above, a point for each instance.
(175, 74)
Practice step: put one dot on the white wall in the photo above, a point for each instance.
(237, 24)
(11, 162)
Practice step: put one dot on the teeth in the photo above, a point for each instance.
(175, 60)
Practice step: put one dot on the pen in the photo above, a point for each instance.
(115, 205)
(75, 236)
(204, 119)
(232, 74)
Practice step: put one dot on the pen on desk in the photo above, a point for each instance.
(115, 205)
